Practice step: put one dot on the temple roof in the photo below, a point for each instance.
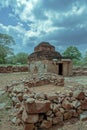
(44, 51)
(45, 44)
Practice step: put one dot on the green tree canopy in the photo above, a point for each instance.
(85, 59)
(74, 54)
(5, 42)
(21, 58)
(6, 39)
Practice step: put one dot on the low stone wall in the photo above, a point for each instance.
(79, 71)
(41, 111)
(44, 79)
(10, 69)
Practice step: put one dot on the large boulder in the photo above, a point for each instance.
(46, 124)
(37, 106)
(51, 96)
(84, 104)
(79, 94)
(66, 104)
(28, 126)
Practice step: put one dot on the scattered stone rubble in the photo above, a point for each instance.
(10, 69)
(40, 80)
(43, 110)
(43, 79)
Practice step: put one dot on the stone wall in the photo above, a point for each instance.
(41, 111)
(38, 67)
(43, 67)
(50, 66)
(10, 69)
(67, 67)
(78, 71)
(44, 79)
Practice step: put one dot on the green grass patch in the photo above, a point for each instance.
(5, 98)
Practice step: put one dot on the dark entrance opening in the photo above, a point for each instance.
(60, 69)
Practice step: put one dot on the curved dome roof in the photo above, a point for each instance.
(44, 46)
(44, 51)
(44, 55)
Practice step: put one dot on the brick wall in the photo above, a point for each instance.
(50, 66)
(80, 71)
(10, 69)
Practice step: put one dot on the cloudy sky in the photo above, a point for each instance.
(60, 22)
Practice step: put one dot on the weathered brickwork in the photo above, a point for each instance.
(10, 69)
(44, 66)
(46, 59)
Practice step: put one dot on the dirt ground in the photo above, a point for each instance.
(70, 83)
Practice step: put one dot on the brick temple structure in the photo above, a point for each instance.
(45, 59)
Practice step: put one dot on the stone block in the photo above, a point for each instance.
(46, 124)
(58, 120)
(66, 105)
(84, 105)
(29, 118)
(68, 115)
(28, 126)
(51, 96)
(78, 94)
(83, 116)
(37, 106)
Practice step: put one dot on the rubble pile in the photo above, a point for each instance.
(11, 69)
(44, 79)
(43, 110)
(40, 80)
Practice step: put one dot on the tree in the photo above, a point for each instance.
(5, 42)
(85, 59)
(73, 53)
(11, 59)
(21, 58)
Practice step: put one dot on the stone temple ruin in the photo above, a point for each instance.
(45, 59)
(43, 110)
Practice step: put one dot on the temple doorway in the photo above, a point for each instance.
(60, 69)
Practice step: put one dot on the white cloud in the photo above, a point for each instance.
(15, 31)
(23, 9)
(46, 21)
(4, 28)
